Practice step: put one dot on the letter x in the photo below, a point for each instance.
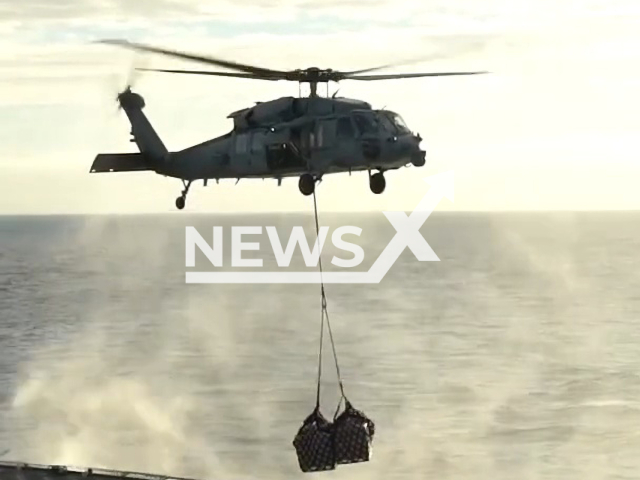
(408, 234)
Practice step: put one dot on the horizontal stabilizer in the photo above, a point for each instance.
(120, 162)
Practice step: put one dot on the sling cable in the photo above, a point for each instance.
(321, 444)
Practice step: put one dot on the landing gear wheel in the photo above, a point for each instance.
(307, 184)
(377, 183)
(181, 200)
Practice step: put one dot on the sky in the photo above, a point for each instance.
(554, 126)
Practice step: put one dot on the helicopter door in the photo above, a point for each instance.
(242, 151)
(258, 148)
(345, 131)
(366, 124)
(326, 134)
(345, 140)
(305, 139)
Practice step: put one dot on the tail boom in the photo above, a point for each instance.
(143, 134)
(152, 154)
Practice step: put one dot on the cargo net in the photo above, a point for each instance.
(321, 444)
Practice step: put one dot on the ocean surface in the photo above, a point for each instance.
(517, 356)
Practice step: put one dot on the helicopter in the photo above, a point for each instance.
(304, 137)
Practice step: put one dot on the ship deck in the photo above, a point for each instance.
(27, 471)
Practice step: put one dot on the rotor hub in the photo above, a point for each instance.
(315, 75)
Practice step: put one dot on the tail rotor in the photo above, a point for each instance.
(117, 87)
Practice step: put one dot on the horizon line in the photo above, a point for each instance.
(300, 212)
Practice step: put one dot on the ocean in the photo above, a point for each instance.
(516, 356)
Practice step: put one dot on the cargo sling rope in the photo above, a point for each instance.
(321, 445)
(324, 314)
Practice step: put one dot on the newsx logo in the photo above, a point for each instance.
(407, 235)
(283, 257)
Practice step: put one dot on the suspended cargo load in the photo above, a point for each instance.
(353, 435)
(314, 444)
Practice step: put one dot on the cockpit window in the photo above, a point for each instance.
(387, 124)
(399, 123)
(365, 123)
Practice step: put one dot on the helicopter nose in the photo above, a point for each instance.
(419, 158)
(418, 155)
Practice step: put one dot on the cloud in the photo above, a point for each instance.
(238, 11)
(464, 13)
(556, 94)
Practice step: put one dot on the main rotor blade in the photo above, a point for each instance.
(373, 69)
(208, 72)
(408, 75)
(197, 58)
(390, 65)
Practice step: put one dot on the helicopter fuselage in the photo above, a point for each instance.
(287, 137)
(306, 137)
(292, 137)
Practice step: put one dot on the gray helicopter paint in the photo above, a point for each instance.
(241, 153)
(288, 108)
(288, 136)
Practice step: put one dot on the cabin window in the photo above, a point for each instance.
(305, 135)
(257, 143)
(326, 132)
(345, 128)
(304, 140)
(242, 143)
(365, 124)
